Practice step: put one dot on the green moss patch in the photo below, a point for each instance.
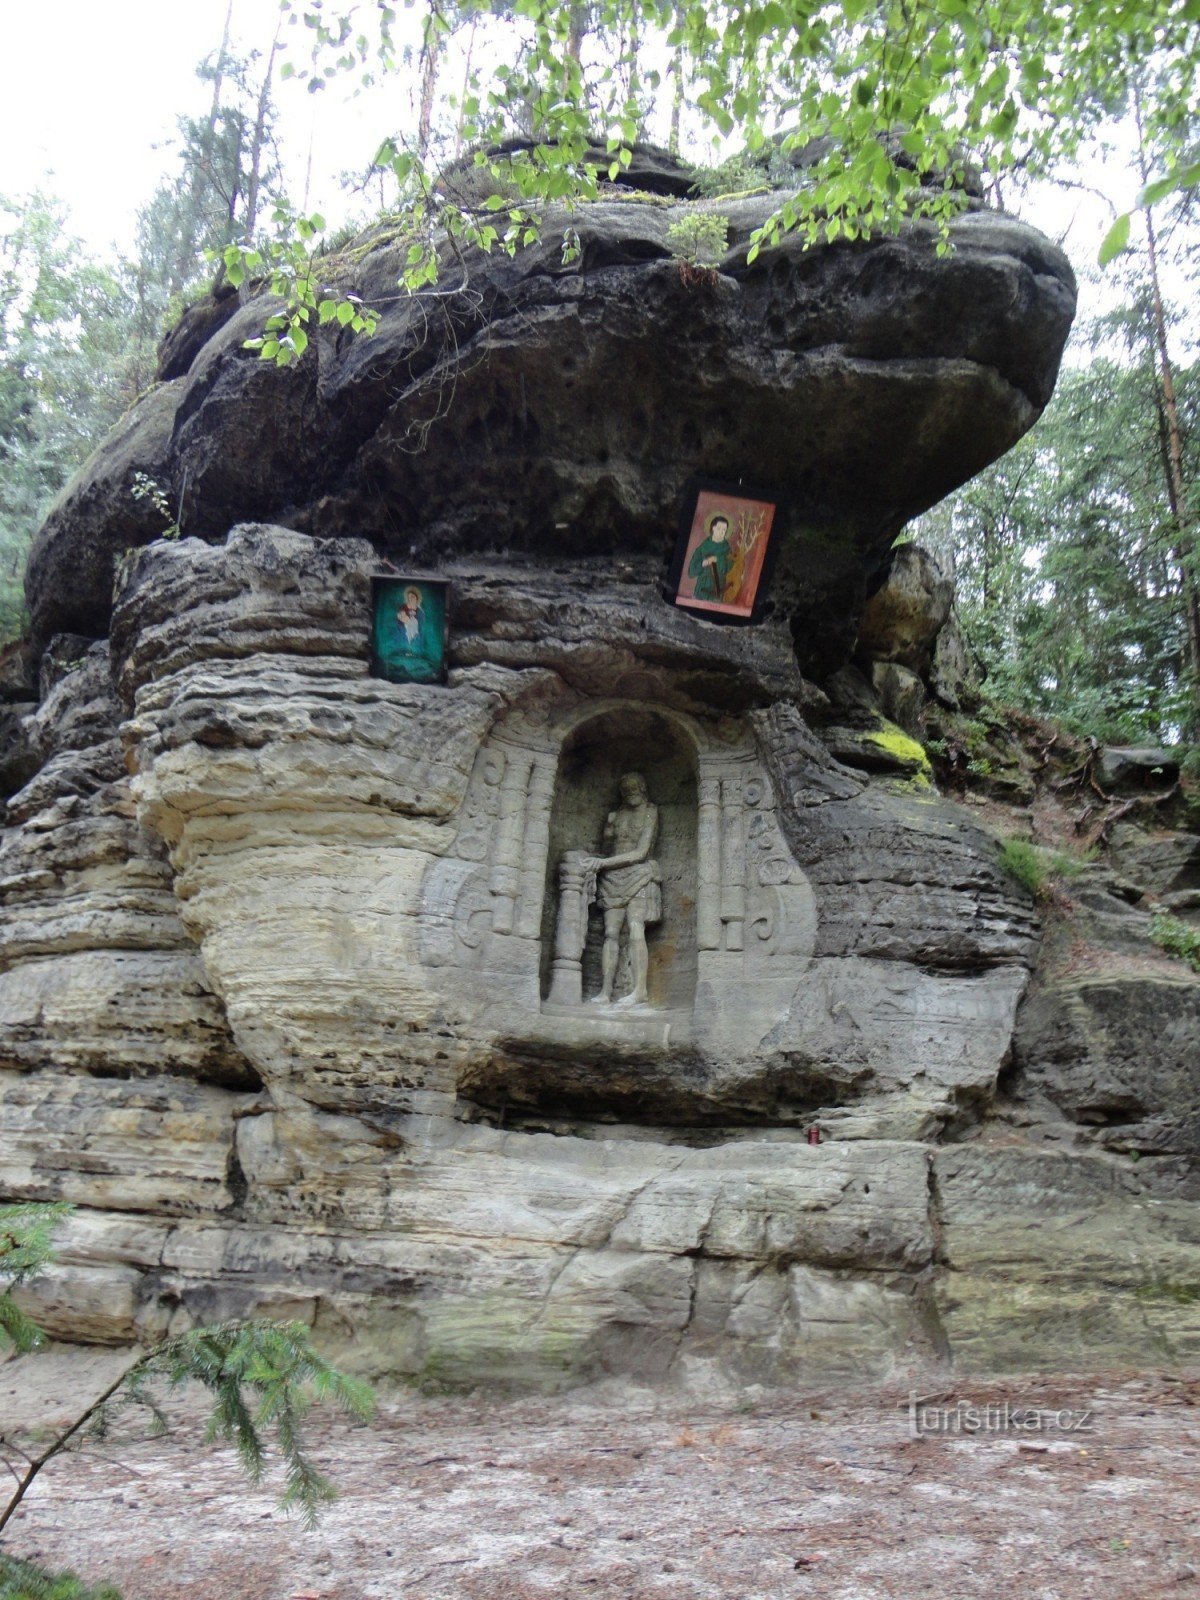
(905, 752)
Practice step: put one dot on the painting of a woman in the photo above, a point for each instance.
(409, 630)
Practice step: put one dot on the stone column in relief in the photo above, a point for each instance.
(708, 876)
(506, 870)
(535, 845)
(733, 864)
(576, 891)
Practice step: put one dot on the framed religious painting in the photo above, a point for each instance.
(725, 551)
(408, 628)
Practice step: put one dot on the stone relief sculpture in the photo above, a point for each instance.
(692, 846)
(627, 885)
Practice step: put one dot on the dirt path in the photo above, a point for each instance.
(619, 1495)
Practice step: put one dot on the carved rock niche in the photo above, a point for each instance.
(728, 946)
(594, 759)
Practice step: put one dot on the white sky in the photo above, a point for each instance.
(88, 108)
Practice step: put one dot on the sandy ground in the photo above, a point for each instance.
(614, 1492)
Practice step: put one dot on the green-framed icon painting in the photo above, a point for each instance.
(408, 629)
(725, 551)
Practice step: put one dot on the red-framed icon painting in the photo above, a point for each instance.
(725, 551)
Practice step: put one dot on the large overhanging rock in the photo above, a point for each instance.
(556, 411)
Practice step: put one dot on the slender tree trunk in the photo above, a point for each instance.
(431, 60)
(187, 255)
(466, 88)
(312, 134)
(577, 32)
(676, 95)
(254, 181)
(219, 74)
(635, 81)
(1176, 483)
(989, 531)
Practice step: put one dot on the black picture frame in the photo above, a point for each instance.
(705, 501)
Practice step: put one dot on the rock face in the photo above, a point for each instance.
(299, 966)
(907, 607)
(1119, 1056)
(551, 410)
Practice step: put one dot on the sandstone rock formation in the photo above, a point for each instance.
(549, 408)
(275, 1005)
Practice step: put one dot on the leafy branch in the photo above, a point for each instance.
(287, 263)
(26, 1232)
(263, 1378)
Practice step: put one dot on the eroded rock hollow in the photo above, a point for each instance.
(295, 1005)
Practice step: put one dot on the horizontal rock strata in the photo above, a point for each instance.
(261, 1022)
(291, 1009)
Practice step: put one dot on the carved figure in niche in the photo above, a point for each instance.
(626, 883)
(629, 890)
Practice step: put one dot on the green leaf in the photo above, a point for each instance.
(345, 312)
(1182, 178)
(1151, 193)
(1115, 240)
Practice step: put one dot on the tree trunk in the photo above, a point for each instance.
(219, 74)
(187, 253)
(254, 181)
(577, 31)
(466, 88)
(431, 60)
(1176, 483)
(676, 96)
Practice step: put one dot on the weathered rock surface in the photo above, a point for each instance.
(908, 603)
(1051, 1258)
(1118, 1055)
(96, 971)
(1165, 865)
(1135, 767)
(282, 1007)
(271, 1012)
(556, 412)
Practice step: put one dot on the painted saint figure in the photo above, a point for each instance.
(410, 618)
(629, 887)
(711, 560)
(408, 636)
